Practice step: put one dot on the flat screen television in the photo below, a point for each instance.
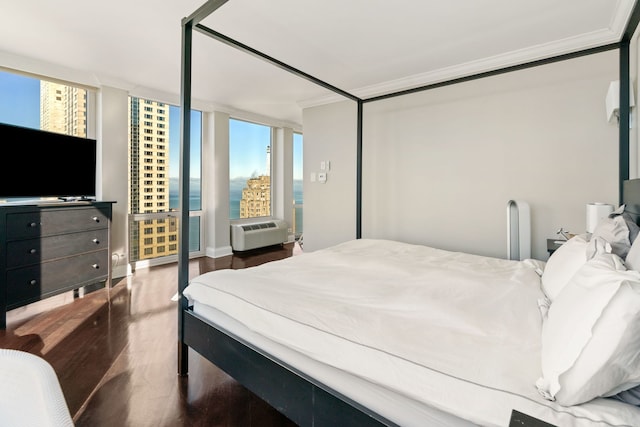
(39, 164)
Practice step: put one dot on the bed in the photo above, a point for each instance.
(417, 335)
(378, 332)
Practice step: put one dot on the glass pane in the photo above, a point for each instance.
(41, 104)
(152, 238)
(154, 144)
(249, 170)
(297, 184)
(28, 102)
(195, 196)
(154, 130)
(194, 234)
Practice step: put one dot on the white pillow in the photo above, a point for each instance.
(591, 337)
(563, 264)
(615, 231)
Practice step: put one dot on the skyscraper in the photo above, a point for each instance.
(256, 195)
(149, 179)
(63, 109)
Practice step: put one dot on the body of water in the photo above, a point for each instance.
(235, 195)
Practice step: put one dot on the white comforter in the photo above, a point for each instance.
(456, 331)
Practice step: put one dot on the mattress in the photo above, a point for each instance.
(435, 333)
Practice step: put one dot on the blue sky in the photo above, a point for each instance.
(19, 100)
(248, 149)
(20, 105)
(174, 141)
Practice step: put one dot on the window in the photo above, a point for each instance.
(41, 104)
(297, 185)
(152, 195)
(249, 169)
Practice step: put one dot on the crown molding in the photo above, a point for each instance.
(514, 58)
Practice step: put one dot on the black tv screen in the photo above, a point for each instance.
(37, 164)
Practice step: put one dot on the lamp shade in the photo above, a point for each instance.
(595, 213)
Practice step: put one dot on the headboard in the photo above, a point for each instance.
(631, 198)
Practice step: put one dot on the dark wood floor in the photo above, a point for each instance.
(115, 354)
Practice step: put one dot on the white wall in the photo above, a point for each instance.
(215, 185)
(330, 208)
(113, 168)
(439, 166)
(282, 177)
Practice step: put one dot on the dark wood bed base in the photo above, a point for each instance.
(298, 396)
(301, 398)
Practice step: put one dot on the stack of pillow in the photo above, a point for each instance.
(591, 316)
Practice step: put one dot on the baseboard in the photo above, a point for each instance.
(218, 252)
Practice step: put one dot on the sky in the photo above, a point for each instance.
(19, 100)
(20, 105)
(248, 144)
(174, 142)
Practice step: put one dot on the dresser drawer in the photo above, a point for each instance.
(32, 283)
(34, 251)
(54, 221)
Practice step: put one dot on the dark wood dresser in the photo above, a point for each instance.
(51, 248)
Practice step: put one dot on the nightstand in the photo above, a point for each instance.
(553, 245)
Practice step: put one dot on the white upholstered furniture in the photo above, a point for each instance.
(30, 394)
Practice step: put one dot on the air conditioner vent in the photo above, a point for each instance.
(259, 234)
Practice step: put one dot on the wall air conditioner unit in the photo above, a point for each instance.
(258, 234)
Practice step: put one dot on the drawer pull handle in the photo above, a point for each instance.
(96, 266)
(95, 218)
(33, 224)
(96, 241)
(33, 282)
(33, 251)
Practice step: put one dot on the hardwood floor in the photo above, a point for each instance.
(114, 352)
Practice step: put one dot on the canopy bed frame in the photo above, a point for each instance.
(300, 397)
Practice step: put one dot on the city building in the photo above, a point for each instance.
(63, 109)
(149, 180)
(256, 196)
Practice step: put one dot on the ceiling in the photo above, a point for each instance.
(365, 47)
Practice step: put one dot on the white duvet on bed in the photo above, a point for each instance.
(456, 331)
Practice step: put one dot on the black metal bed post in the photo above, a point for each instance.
(185, 142)
(254, 52)
(359, 170)
(625, 108)
(623, 123)
(185, 169)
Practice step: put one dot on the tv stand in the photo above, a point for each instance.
(77, 199)
(49, 249)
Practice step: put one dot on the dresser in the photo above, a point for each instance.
(51, 248)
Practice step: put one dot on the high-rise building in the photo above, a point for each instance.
(63, 109)
(149, 179)
(256, 195)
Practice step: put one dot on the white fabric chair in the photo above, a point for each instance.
(30, 393)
